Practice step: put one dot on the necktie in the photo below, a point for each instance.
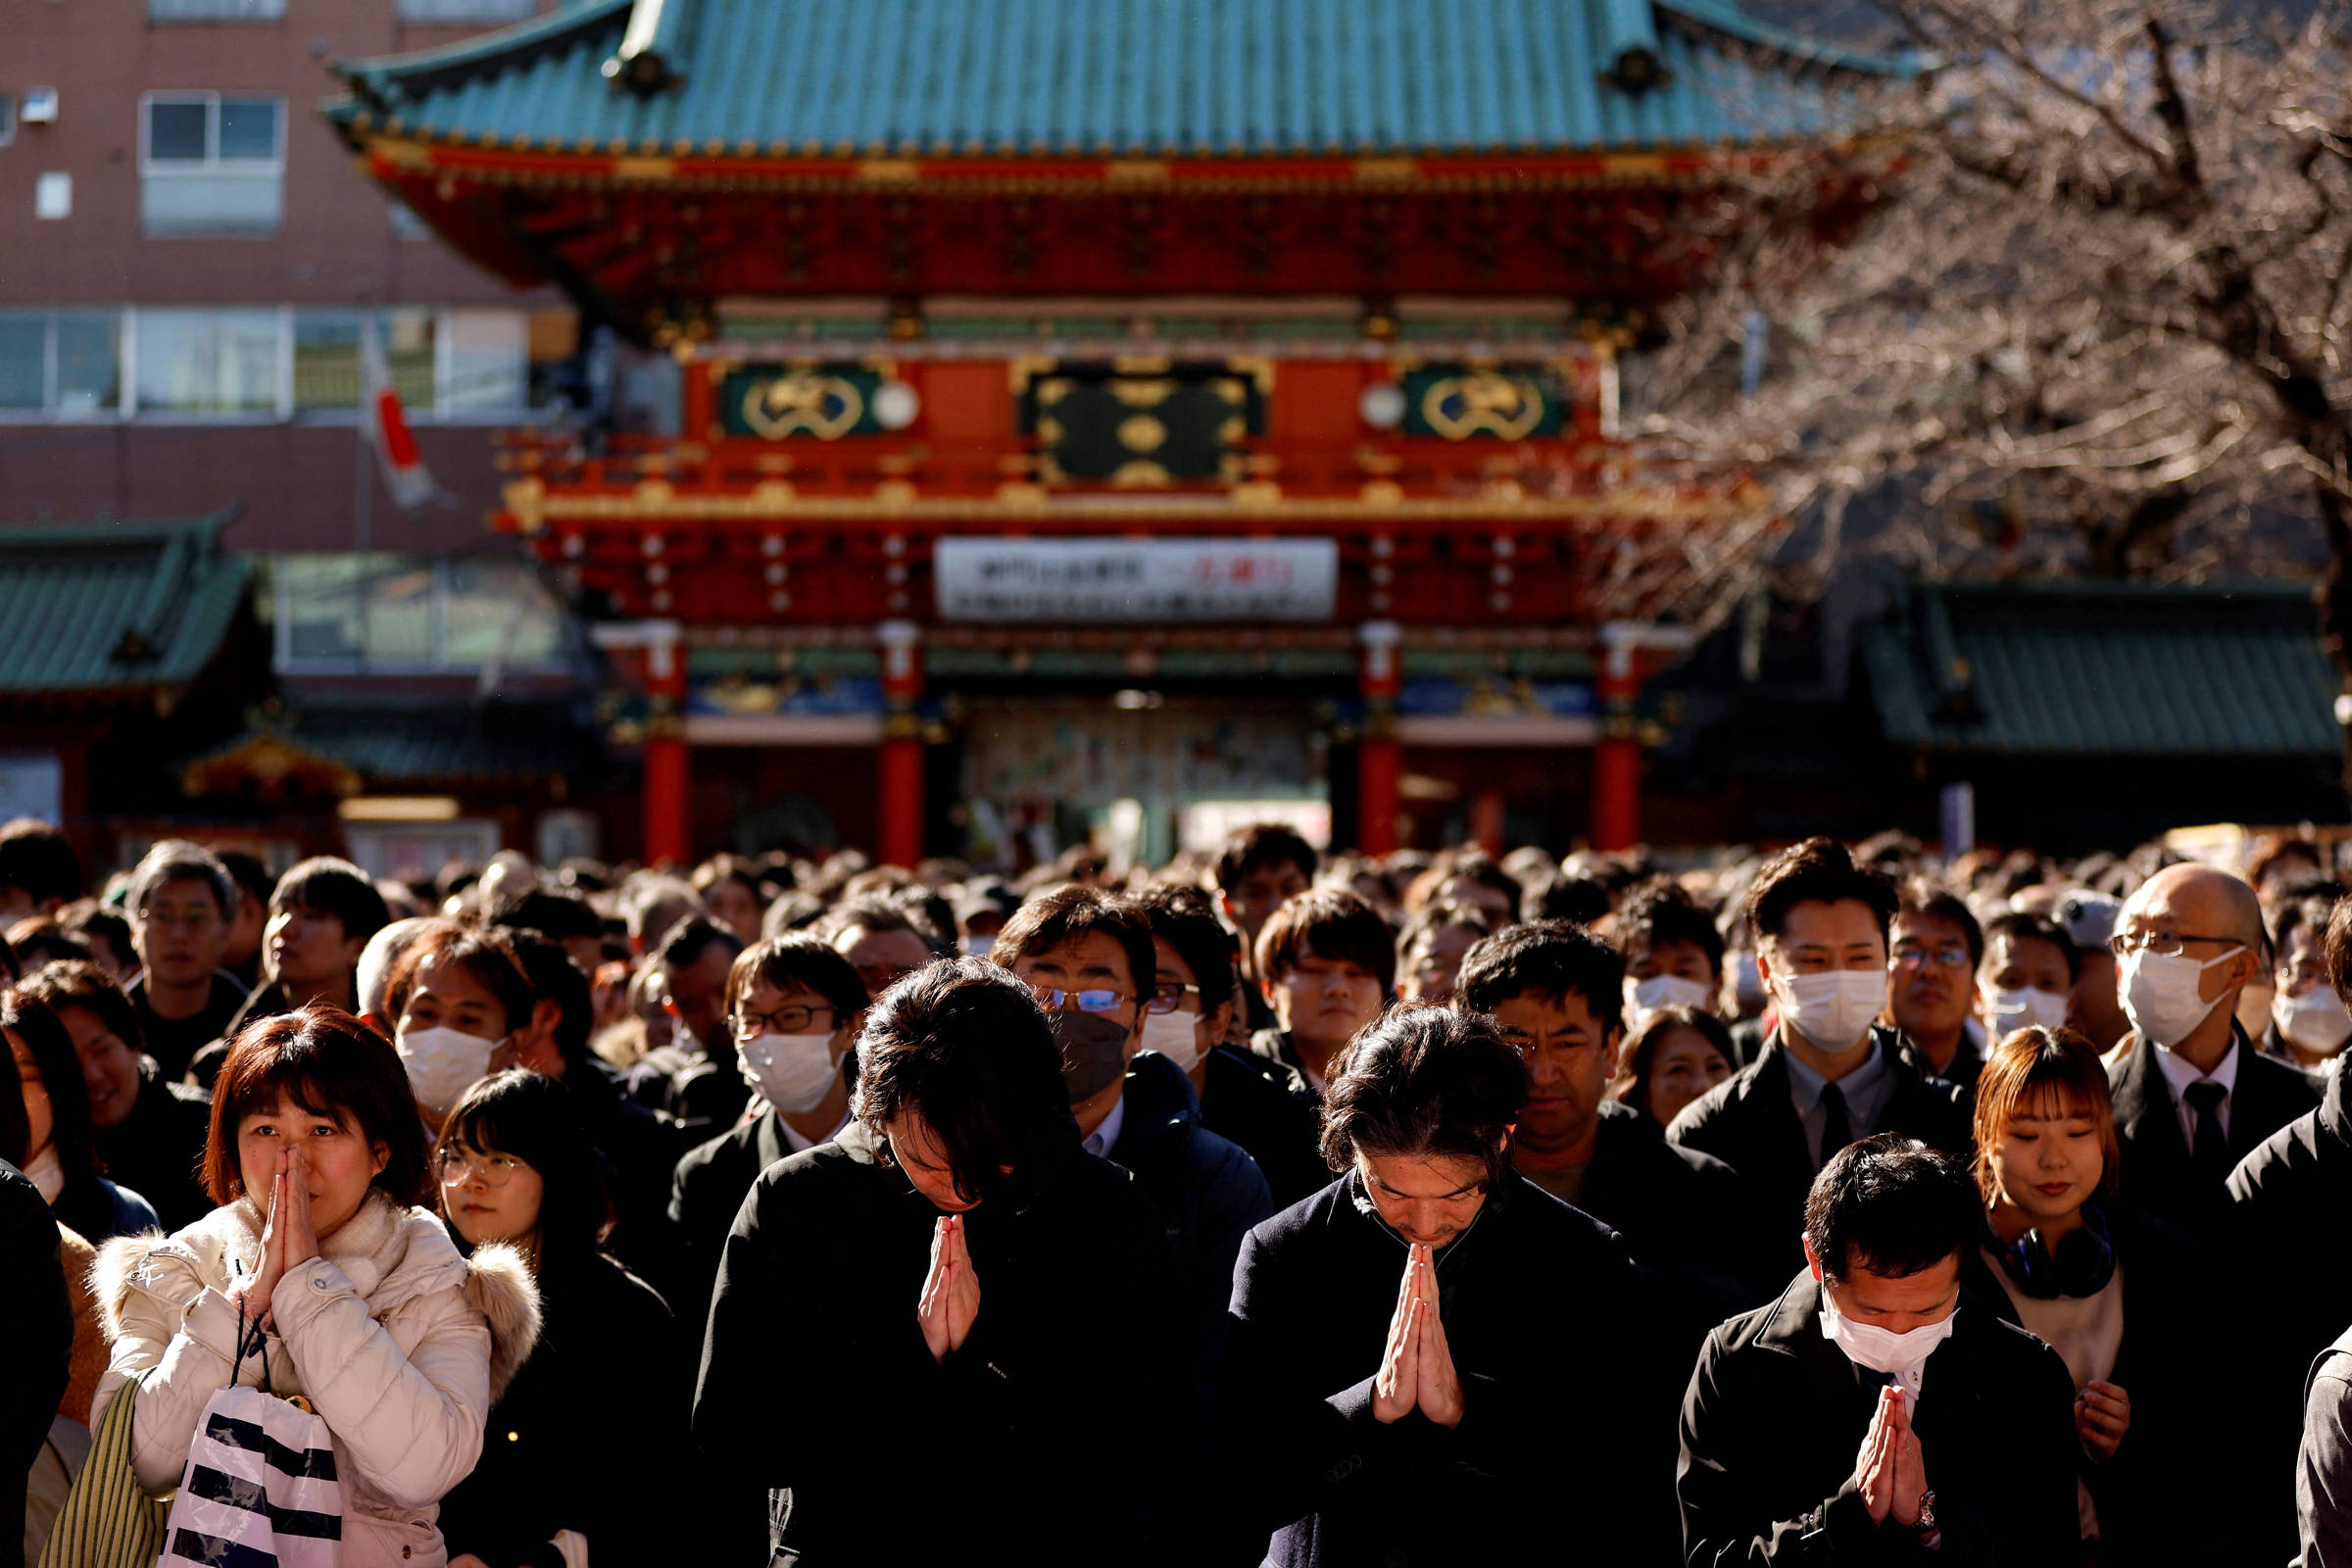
(1836, 1131)
(2210, 1150)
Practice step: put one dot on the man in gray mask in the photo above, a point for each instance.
(1081, 953)
(2192, 1097)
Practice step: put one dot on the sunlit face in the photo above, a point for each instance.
(110, 1068)
(1686, 961)
(1898, 1303)
(2301, 969)
(765, 1008)
(735, 907)
(1683, 1064)
(2047, 1161)
(1323, 1002)
(340, 1162)
(1568, 1056)
(1933, 975)
(1492, 902)
(488, 1194)
(882, 958)
(697, 995)
(1429, 1202)
(446, 995)
(2024, 964)
(916, 1151)
(1260, 892)
(180, 932)
(1168, 968)
(36, 1097)
(1435, 963)
(306, 948)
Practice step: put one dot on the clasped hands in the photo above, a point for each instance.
(1416, 1370)
(288, 1238)
(950, 1297)
(1892, 1471)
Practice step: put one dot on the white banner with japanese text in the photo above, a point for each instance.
(1177, 580)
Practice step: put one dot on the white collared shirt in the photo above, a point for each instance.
(1105, 1138)
(2179, 1072)
(794, 1143)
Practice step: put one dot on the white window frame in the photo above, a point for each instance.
(48, 413)
(464, 13)
(269, 11)
(283, 660)
(214, 167)
(283, 379)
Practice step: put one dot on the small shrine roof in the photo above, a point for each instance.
(111, 609)
(947, 78)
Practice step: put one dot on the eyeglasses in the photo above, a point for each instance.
(747, 1025)
(1167, 997)
(493, 1170)
(195, 919)
(1099, 1001)
(1951, 956)
(2164, 944)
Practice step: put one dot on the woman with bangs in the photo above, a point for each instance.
(2124, 1298)
(399, 1342)
(516, 1167)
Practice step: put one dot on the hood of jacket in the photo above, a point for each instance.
(391, 1253)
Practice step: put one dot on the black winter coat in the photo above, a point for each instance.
(1562, 1447)
(1678, 1209)
(707, 1188)
(1264, 1106)
(1749, 1122)
(2157, 1175)
(1776, 1414)
(639, 1149)
(1031, 1442)
(158, 1150)
(2164, 1497)
(2288, 1200)
(36, 1324)
(701, 1091)
(604, 1380)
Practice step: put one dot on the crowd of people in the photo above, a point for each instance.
(1837, 1203)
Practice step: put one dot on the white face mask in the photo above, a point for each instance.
(1175, 1036)
(1645, 997)
(795, 1072)
(2316, 1020)
(2023, 1008)
(2160, 992)
(443, 1063)
(1901, 1356)
(1834, 1009)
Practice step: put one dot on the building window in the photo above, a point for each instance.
(340, 613)
(206, 361)
(458, 364)
(65, 365)
(8, 120)
(466, 10)
(212, 163)
(215, 10)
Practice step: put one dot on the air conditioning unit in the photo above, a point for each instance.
(40, 106)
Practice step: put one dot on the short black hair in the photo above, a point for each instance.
(87, 918)
(1329, 923)
(483, 953)
(537, 1120)
(964, 1044)
(325, 885)
(802, 959)
(877, 914)
(1184, 918)
(555, 978)
(251, 876)
(81, 984)
(1659, 911)
(1941, 904)
(1817, 871)
(1892, 1205)
(1582, 899)
(2018, 927)
(36, 857)
(560, 914)
(1073, 910)
(1432, 919)
(1552, 958)
(1261, 844)
(2312, 909)
(684, 944)
(179, 861)
(1426, 1081)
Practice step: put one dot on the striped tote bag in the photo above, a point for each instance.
(259, 1490)
(109, 1521)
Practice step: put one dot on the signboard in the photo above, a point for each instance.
(1461, 404)
(1188, 581)
(779, 403)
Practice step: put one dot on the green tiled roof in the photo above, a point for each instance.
(942, 77)
(97, 608)
(2106, 670)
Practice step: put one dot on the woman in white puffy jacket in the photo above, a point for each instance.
(397, 1341)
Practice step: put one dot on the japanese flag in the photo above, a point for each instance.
(387, 425)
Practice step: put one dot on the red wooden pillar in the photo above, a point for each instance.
(668, 801)
(898, 790)
(1617, 757)
(1379, 755)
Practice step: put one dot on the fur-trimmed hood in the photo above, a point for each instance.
(391, 1253)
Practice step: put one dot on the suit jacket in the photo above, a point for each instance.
(1679, 1210)
(2324, 1466)
(1749, 1122)
(706, 1189)
(2157, 1175)
(1776, 1414)
(1263, 1103)
(2163, 1498)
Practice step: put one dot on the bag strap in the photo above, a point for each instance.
(250, 1342)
